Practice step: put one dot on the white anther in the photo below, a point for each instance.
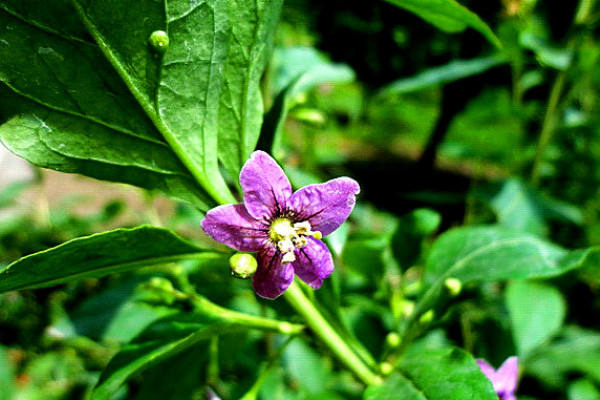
(286, 245)
(301, 241)
(288, 258)
(302, 228)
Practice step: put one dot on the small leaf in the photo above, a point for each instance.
(161, 340)
(435, 374)
(583, 389)
(97, 255)
(298, 69)
(575, 350)
(453, 71)
(407, 239)
(520, 207)
(537, 312)
(170, 336)
(447, 15)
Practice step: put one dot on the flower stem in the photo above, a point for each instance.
(296, 297)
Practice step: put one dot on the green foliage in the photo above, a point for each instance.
(158, 342)
(447, 15)
(131, 115)
(97, 255)
(537, 312)
(421, 378)
(451, 72)
(174, 96)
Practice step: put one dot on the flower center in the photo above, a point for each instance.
(288, 235)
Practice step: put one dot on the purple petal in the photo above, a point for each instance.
(266, 188)
(233, 226)
(272, 278)
(313, 263)
(327, 205)
(507, 375)
(509, 396)
(487, 370)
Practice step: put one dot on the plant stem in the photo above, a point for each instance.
(296, 297)
(547, 125)
(206, 306)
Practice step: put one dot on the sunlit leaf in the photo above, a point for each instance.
(97, 255)
(453, 71)
(447, 15)
(536, 312)
(440, 374)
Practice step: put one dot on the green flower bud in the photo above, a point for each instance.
(393, 340)
(427, 317)
(243, 265)
(159, 41)
(453, 285)
(386, 368)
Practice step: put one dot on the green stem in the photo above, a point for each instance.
(283, 327)
(548, 125)
(213, 183)
(296, 297)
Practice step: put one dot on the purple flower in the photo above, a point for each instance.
(504, 379)
(282, 227)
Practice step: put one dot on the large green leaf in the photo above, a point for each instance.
(97, 255)
(435, 374)
(490, 253)
(447, 15)
(536, 312)
(99, 100)
(241, 112)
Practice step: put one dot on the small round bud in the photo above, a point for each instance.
(405, 308)
(243, 265)
(393, 340)
(453, 285)
(160, 284)
(310, 116)
(286, 328)
(386, 368)
(427, 317)
(159, 41)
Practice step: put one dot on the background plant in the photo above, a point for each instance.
(470, 127)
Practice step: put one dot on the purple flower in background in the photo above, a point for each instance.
(504, 379)
(284, 228)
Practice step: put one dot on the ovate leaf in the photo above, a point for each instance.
(435, 374)
(536, 313)
(447, 15)
(489, 253)
(97, 255)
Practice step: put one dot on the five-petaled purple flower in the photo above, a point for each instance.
(284, 228)
(504, 379)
